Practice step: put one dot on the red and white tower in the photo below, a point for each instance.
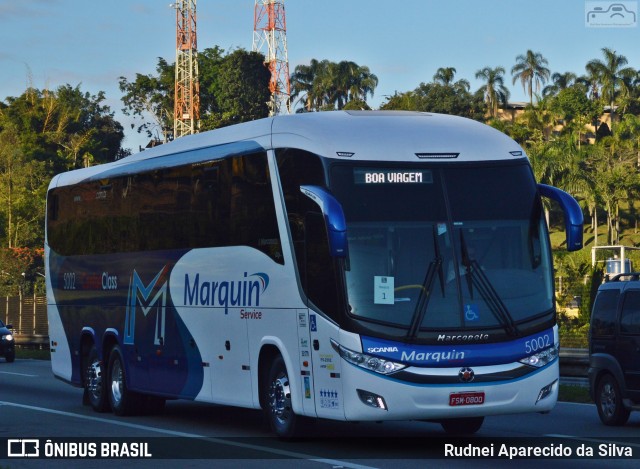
(187, 94)
(270, 38)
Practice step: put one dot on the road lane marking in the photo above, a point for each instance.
(222, 441)
(18, 374)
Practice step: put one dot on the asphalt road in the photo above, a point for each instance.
(34, 406)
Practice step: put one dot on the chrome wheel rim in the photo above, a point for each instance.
(280, 399)
(94, 379)
(608, 400)
(116, 382)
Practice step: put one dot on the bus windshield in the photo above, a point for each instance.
(444, 247)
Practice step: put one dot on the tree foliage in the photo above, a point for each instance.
(234, 88)
(324, 85)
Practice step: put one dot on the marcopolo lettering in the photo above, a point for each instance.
(225, 293)
(462, 337)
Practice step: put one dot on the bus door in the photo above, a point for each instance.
(321, 287)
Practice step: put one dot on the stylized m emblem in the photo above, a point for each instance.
(139, 294)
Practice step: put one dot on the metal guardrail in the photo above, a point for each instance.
(574, 363)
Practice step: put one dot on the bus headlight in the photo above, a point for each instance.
(542, 358)
(368, 362)
(8, 337)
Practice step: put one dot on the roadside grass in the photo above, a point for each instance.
(36, 354)
(572, 393)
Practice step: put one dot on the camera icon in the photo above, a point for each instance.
(609, 14)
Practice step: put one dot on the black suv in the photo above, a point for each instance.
(7, 344)
(614, 349)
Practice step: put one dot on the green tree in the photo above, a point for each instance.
(150, 99)
(560, 81)
(493, 90)
(240, 90)
(325, 85)
(573, 106)
(531, 71)
(22, 192)
(434, 97)
(613, 76)
(232, 89)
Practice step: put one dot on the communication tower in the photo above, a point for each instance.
(270, 33)
(186, 118)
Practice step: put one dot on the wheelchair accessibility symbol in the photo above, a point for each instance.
(471, 312)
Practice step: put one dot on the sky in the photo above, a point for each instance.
(91, 43)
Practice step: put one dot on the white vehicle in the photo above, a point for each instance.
(340, 265)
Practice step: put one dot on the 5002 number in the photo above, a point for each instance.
(539, 343)
(69, 280)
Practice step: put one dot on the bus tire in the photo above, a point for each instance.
(122, 400)
(608, 397)
(10, 357)
(279, 411)
(463, 426)
(93, 381)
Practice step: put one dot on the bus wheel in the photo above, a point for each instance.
(93, 382)
(279, 412)
(123, 401)
(464, 426)
(609, 402)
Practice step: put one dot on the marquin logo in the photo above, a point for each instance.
(141, 295)
(244, 292)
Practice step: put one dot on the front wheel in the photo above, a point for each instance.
(609, 402)
(464, 426)
(277, 389)
(122, 400)
(10, 357)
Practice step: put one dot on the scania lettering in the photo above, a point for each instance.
(355, 266)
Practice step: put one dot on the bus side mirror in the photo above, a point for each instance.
(333, 217)
(573, 219)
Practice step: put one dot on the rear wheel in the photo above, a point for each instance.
(123, 401)
(464, 426)
(94, 382)
(609, 402)
(282, 420)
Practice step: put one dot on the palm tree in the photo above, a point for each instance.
(304, 83)
(444, 76)
(561, 81)
(611, 75)
(325, 84)
(530, 69)
(494, 91)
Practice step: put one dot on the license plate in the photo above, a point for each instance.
(466, 398)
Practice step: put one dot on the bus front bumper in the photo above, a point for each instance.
(370, 396)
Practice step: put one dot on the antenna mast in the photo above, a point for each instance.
(270, 28)
(186, 119)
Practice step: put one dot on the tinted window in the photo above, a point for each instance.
(604, 313)
(214, 203)
(630, 318)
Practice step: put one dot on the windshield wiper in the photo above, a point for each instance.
(478, 278)
(427, 286)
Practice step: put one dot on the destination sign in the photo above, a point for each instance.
(392, 176)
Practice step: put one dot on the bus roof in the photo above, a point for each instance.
(346, 135)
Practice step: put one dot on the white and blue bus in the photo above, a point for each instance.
(360, 266)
